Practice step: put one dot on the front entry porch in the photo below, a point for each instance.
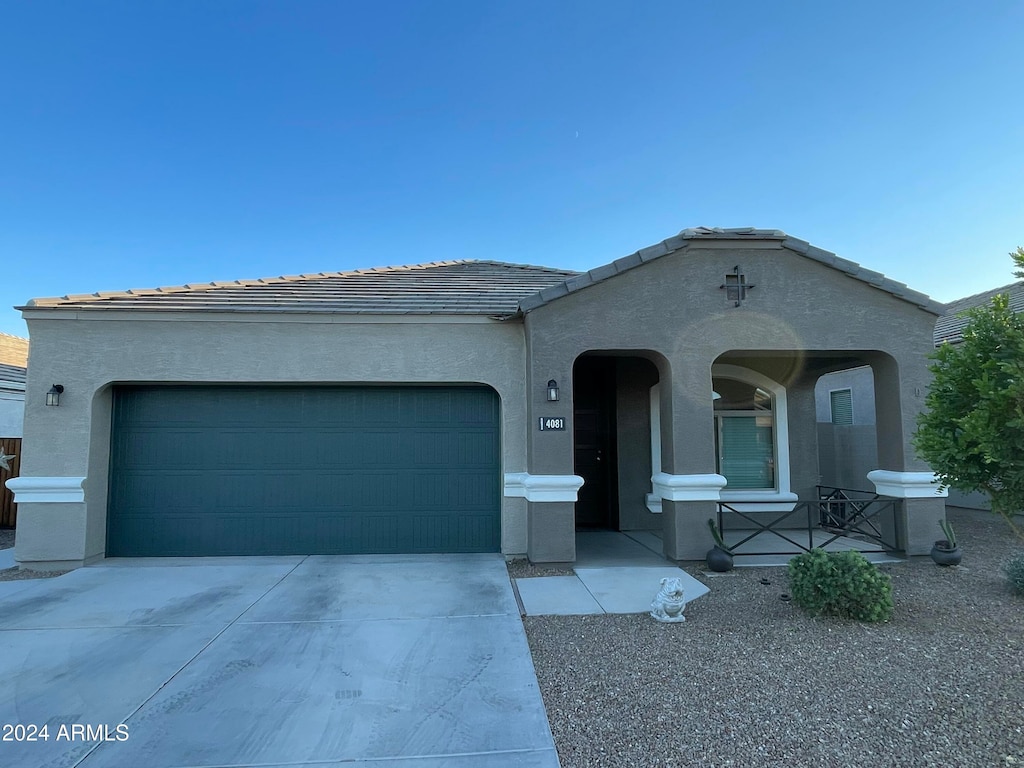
(837, 519)
(620, 572)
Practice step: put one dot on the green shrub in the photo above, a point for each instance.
(840, 584)
(1015, 572)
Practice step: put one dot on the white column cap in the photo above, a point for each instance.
(46, 490)
(688, 487)
(543, 487)
(907, 485)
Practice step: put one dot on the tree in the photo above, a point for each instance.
(972, 431)
(1018, 259)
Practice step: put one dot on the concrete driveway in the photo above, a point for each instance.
(389, 661)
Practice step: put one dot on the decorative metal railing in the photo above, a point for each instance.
(865, 521)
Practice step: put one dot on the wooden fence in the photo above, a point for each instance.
(8, 509)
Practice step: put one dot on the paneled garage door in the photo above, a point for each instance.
(228, 470)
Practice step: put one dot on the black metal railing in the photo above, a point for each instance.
(866, 521)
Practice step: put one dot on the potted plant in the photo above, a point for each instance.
(719, 557)
(946, 551)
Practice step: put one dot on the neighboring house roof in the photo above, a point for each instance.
(950, 327)
(448, 287)
(688, 236)
(451, 287)
(13, 350)
(12, 377)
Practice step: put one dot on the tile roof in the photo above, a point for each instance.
(465, 287)
(13, 350)
(950, 327)
(688, 236)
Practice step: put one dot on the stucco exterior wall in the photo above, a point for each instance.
(673, 306)
(673, 311)
(89, 356)
(634, 379)
(860, 382)
(846, 454)
(801, 319)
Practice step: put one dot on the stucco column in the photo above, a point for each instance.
(52, 491)
(924, 505)
(900, 388)
(804, 473)
(549, 485)
(688, 484)
(899, 396)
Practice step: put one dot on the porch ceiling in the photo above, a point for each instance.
(788, 366)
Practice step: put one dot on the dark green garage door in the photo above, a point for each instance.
(303, 470)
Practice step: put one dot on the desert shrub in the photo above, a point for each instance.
(841, 584)
(1015, 572)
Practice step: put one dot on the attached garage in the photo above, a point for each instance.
(279, 470)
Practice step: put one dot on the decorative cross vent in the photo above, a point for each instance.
(736, 286)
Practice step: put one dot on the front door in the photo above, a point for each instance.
(594, 442)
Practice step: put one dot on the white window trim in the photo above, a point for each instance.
(780, 419)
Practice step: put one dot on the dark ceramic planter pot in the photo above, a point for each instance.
(719, 560)
(943, 554)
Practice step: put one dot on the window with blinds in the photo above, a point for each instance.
(747, 451)
(842, 406)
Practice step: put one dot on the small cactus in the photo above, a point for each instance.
(947, 531)
(717, 535)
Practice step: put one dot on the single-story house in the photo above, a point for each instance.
(461, 405)
(847, 437)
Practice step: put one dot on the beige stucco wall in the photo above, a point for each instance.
(673, 310)
(673, 306)
(670, 311)
(93, 353)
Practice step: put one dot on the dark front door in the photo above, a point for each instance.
(593, 395)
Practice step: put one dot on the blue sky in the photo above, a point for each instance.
(160, 143)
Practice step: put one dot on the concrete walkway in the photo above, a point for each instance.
(390, 662)
(614, 573)
(621, 572)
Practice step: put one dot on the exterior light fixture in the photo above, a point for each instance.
(552, 391)
(53, 396)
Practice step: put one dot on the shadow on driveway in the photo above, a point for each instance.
(287, 661)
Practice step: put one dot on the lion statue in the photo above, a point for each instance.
(669, 604)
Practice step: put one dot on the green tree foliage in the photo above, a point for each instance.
(1018, 259)
(972, 431)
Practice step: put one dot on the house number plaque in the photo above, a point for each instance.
(549, 422)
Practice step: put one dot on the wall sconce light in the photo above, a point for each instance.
(53, 396)
(552, 391)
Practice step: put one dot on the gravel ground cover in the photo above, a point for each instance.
(16, 574)
(521, 568)
(750, 680)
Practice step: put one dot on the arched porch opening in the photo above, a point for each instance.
(780, 463)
